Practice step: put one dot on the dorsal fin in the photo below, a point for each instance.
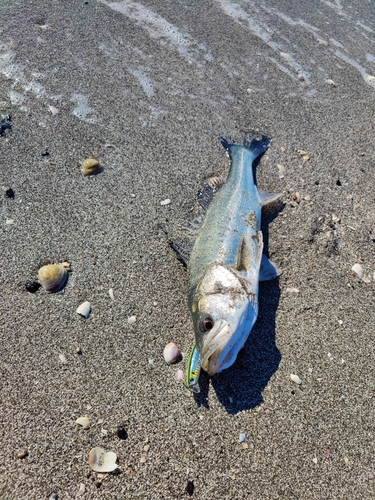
(206, 195)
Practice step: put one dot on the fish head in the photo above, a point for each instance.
(224, 309)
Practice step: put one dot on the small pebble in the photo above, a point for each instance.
(132, 320)
(9, 193)
(44, 152)
(346, 460)
(165, 202)
(245, 446)
(146, 447)
(281, 169)
(189, 488)
(292, 290)
(330, 357)
(110, 292)
(242, 438)
(33, 286)
(22, 454)
(53, 110)
(315, 460)
(10, 222)
(122, 434)
(143, 458)
(295, 379)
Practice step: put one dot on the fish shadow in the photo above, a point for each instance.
(240, 387)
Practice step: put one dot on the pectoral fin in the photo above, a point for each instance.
(244, 255)
(268, 270)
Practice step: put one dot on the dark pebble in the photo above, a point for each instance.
(9, 193)
(121, 433)
(44, 152)
(33, 286)
(190, 488)
(338, 182)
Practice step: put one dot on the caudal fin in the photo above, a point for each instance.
(256, 146)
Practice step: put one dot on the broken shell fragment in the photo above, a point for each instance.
(84, 309)
(52, 277)
(358, 270)
(102, 461)
(305, 155)
(91, 166)
(331, 82)
(171, 353)
(84, 422)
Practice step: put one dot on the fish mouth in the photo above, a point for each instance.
(215, 341)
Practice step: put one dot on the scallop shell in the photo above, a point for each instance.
(53, 277)
(84, 309)
(171, 353)
(91, 166)
(102, 461)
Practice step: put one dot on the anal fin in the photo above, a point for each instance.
(267, 198)
(268, 270)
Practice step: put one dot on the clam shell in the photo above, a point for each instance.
(53, 277)
(84, 309)
(91, 166)
(171, 353)
(102, 461)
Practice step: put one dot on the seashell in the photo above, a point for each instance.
(110, 291)
(84, 422)
(371, 78)
(53, 277)
(132, 320)
(91, 166)
(102, 461)
(358, 270)
(84, 309)
(171, 353)
(295, 379)
(179, 375)
(331, 82)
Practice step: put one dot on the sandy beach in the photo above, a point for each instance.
(148, 88)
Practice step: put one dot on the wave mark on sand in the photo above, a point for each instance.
(163, 31)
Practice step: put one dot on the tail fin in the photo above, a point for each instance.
(256, 146)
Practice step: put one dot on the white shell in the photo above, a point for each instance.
(102, 461)
(52, 277)
(358, 270)
(84, 309)
(84, 422)
(132, 320)
(110, 292)
(171, 353)
(295, 379)
(165, 202)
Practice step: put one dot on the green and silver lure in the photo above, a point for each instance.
(193, 370)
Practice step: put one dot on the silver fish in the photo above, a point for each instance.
(226, 265)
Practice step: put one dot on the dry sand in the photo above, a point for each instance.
(149, 86)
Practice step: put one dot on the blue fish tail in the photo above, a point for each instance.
(255, 146)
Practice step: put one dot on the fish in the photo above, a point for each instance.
(226, 263)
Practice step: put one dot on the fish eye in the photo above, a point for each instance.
(206, 324)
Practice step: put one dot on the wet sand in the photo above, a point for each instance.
(149, 87)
